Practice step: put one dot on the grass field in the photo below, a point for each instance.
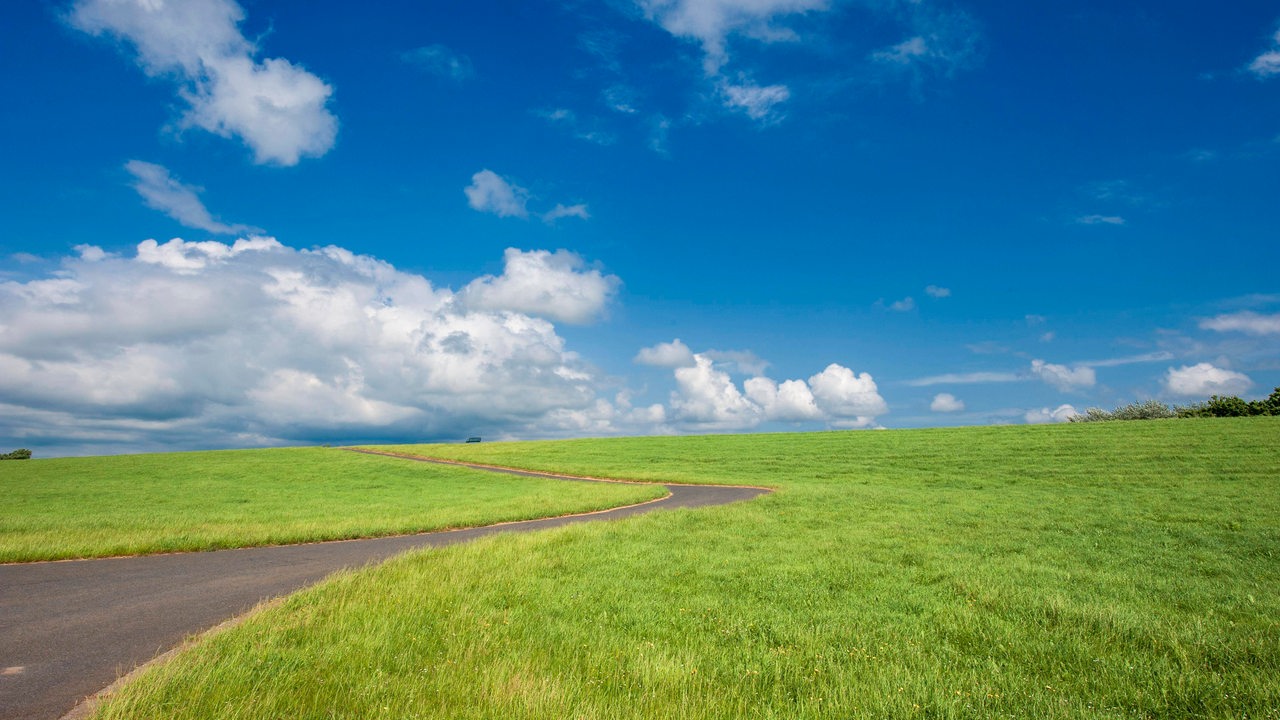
(1120, 570)
(138, 504)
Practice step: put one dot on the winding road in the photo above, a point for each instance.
(69, 629)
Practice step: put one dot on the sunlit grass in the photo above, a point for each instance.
(1125, 570)
(138, 504)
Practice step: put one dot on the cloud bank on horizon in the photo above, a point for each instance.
(655, 216)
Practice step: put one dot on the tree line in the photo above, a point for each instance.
(1215, 406)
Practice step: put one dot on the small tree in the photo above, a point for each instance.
(1227, 406)
(1272, 403)
(19, 454)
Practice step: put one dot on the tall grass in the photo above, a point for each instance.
(1119, 570)
(138, 504)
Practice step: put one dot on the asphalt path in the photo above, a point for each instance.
(68, 629)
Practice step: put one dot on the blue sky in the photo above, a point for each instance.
(291, 222)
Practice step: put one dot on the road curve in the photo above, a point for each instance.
(70, 628)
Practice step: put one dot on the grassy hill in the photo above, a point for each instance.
(139, 504)
(1119, 570)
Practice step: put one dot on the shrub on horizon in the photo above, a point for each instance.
(19, 454)
(1093, 414)
(1145, 410)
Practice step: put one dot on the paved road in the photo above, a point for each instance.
(69, 629)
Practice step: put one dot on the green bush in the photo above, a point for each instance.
(1146, 410)
(1272, 403)
(1093, 414)
(19, 454)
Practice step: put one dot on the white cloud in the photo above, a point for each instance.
(707, 398)
(563, 211)
(1268, 63)
(1100, 220)
(1204, 379)
(1063, 377)
(1246, 321)
(187, 258)
(842, 394)
(490, 192)
(197, 344)
(440, 60)
(670, 355)
(790, 401)
(937, 292)
(906, 304)
(945, 403)
(738, 361)
(548, 284)
(161, 191)
(91, 253)
(712, 22)
(275, 107)
(757, 102)
(1060, 414)
(972, 378)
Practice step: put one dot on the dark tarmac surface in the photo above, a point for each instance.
(69, 629)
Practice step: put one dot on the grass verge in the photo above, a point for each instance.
(138, 504)
(1125, 570)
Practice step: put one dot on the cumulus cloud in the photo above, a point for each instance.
(937, 292)
(945, 403)
(1063, 377)
(669, 355)
(1268, 63)
(706, 397)
(792, 400)
(490, 192)
(161, 191)
(554, 285)
(440, 61)
(906, 304)
(1205, 379)
(193, 344)
(1247, 321)
(1060, 414)
(845, 395)
(275, 107)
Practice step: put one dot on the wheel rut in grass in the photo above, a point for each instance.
(70, 628)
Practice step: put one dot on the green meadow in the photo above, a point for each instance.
(137, 504)
(1114, 570)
